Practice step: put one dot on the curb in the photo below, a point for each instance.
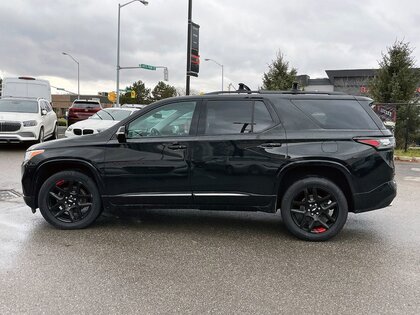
(407, 159)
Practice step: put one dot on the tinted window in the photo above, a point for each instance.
(336, 114)
(228, 117)
(236, 117)
(262, 118)
(165, 121)
(18, 106)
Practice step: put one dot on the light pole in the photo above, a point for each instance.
(118, 47)
(219, 64)
(78, 73)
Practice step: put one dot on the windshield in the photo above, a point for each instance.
(18, 106)
(111, 114)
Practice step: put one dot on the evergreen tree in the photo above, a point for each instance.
(278, 76)
(142, 94)
(163, 90)
(396, 82)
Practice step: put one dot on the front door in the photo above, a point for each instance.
(152, 168)
(236, 161)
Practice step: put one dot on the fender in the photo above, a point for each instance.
(328, 163)
(90, 166)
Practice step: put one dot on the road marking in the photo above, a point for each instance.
(415, 169)
(412, 178)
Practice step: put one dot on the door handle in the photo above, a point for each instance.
(271, 145)
(177, 146)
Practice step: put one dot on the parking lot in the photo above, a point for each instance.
(195, 262)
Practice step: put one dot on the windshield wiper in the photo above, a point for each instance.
(109, 114)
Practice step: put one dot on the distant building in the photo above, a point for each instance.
(351, 81)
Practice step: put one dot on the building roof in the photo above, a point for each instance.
(350, 73)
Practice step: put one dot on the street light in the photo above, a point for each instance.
(219, 64)
(118, 46)
(78, 73)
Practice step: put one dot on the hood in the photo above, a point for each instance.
(18, 116)
(94, 139)
(94, 124)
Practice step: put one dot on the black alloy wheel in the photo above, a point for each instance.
(314, 209)
(69, 200)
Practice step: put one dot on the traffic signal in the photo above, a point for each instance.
(112, 96)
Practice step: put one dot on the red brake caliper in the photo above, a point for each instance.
(59, 183)
(319, 229)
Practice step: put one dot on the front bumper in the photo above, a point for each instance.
(378, 198)
(17, 137)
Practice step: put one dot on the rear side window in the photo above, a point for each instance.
(236, 117)
(337, 114)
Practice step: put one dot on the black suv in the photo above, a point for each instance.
(315, 156)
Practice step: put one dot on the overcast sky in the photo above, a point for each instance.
(244, 35)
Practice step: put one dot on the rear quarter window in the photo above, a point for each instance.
(337, 114)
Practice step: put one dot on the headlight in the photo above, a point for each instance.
(69, 128)
(30, 123)
(100, 129)
(30, 154)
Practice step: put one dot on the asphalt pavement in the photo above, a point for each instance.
(195, 262)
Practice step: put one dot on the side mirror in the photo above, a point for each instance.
(43, 112)
(121, 135)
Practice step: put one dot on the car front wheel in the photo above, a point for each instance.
(314, 209)
(69, 200)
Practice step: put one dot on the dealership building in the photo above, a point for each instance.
(351, 81)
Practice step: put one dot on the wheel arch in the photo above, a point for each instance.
(331, 170)
(51, 167)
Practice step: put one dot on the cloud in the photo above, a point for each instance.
(243, 35)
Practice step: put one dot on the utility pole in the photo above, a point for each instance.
(187, 86)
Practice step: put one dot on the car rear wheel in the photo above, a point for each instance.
(69, 200)
(314, 209)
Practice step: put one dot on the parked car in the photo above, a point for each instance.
(99, 121)
(26, 87)
(24, 120)
(314, 156)
(82, 109)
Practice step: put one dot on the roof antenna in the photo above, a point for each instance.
(243, 87)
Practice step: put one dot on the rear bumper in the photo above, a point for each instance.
(30, 201)
(378, 198)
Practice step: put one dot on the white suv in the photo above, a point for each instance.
(24, 119)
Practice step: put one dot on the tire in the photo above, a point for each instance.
(69, 200)
(41, 135)
(54, 136)
(314, 209)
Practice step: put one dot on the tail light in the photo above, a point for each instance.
(378, 143)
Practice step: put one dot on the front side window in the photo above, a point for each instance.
(166, 121)
(236, 117)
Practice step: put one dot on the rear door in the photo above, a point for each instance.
(240, 150)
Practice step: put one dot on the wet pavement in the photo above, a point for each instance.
(194, 262)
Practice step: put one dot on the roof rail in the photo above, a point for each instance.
(275, 92)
